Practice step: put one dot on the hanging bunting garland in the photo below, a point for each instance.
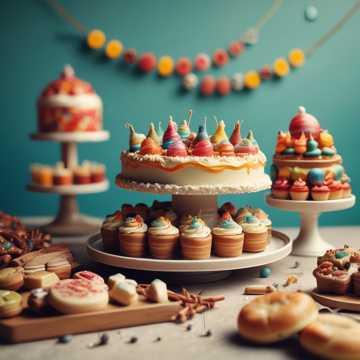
(166, 65)
(185, 68)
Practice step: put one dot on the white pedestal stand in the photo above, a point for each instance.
(68, 220)
(309, 241)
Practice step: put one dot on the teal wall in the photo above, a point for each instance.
(35, 44)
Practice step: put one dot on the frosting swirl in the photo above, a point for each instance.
(252, 224)
(227, 226)
(197, 229)
(113, 221)
(133, 225)
(162, 226)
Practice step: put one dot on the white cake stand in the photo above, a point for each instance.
(309, 241)
(68, 220)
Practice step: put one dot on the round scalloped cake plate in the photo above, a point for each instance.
(156, 188)
(342, 302)
(311, 205)
(70, 189)
(280, 246)
(79, 136)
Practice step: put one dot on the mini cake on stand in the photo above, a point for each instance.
(69, 112)
(308, 177)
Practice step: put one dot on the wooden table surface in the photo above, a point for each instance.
(176, 342)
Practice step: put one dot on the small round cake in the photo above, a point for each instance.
(306, 164)
(181, 161)
(69, 104)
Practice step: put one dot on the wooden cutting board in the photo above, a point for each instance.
(343, 302)
(29, 326)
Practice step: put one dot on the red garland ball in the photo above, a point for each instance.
(220, 57)
(304, 122)
(207, 86)
(202, 62)
(223, 86)
(147, 62)
(236, 48)
(265, 72)
(130, 56)
(183, 66)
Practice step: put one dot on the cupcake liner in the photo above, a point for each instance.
(163, 246)
(110, 239)
(255, 242)
(132, 245)
(228, 245)
(195, 248)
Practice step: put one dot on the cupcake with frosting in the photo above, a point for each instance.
(109, 231)
(255, 234)
(82, 174)
(280, 189)
(299, 190)
(62, 175)
(336, 190)
(320, 192)
(228, 237)
(195, 240)
(97, 172)
(132, 237)
(242, 213)
(263, 217)
(162, 238)
(346, 187)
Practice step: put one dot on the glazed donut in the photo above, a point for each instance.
(276, 316)
(332, 337)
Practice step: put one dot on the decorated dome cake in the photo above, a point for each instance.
(306, 164)
(69, 104)
(181, 160)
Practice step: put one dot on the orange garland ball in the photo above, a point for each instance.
(96, 39)
(296, 58)
(223, 86)
(113, 49)
(252, 80)
(207, 85)
(281, 67)
(165, 66)
(220, 57)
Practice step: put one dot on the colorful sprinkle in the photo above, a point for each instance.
(130, 56)
(236, 48)
(223, 86)
(296, 58)
(281, 67)
(207, 86)
(220, 57)
(252, 80)
(265, 272)
(202, 62)
(183, 66)
(147, 62)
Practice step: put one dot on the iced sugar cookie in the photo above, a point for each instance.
(10, 303)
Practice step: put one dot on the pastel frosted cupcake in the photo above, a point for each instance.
(255, 234)
(346, 187)
(241, 214)
(228, 237)
(336, 190)
(356, 282)
(162, 238)
(132, 237)
(97, 172)
(280, 189)
(299, 190)
(320, 192)
(62, 175)
(109, 231)
(263, 217)
(195, 240)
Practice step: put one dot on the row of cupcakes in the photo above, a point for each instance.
(192, 240)
(58, 175)
(181, 141)
(300, 190)
(338, 272)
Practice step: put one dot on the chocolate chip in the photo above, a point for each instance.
(189, 327)
(207, 334)
(104, 339)
(158, 339)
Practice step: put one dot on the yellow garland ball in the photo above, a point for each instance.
(113, 49)
(96, 39)
(165, 66)
(296, 58)
(281, 67)
(252, 80)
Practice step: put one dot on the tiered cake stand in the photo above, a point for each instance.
(195, 201)
(309, 241)
(68, 220)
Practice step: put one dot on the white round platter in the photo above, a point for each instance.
(70, 189)
(309, 241)
(83, 136)
(280, 246)
(156, 188)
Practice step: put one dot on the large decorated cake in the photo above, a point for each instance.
(181, 160)
(306, 164)
(69, 104)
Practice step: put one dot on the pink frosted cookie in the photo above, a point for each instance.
(72, 296)
(89, 276)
